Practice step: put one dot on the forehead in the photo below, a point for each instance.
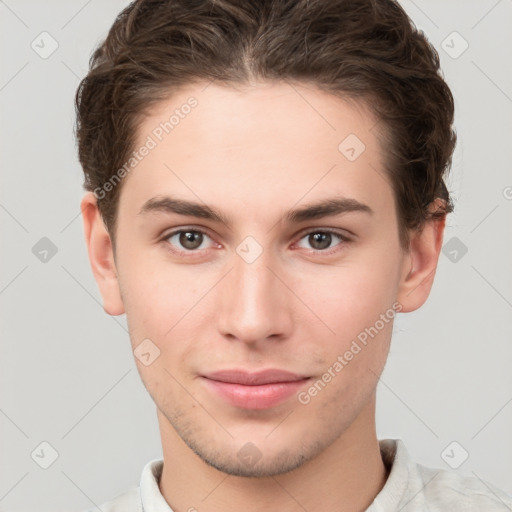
(228, 116)
(260, 144)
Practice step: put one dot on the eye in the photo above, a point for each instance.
(186, 240)
(321, 239)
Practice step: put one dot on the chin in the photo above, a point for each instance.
(250, 462)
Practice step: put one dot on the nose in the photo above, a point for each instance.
(255, 302)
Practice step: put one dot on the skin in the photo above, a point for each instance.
(254, 153)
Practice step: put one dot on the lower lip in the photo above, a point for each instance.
(262, 396)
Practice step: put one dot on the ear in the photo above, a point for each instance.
(101, 255)
(420, 264)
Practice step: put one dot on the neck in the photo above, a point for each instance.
(345, 477)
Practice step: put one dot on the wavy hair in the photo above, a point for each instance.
(365, 50)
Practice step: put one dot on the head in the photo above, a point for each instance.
(252, 110)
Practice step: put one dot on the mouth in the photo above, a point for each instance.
(259, 390)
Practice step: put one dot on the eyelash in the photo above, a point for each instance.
(196, 252)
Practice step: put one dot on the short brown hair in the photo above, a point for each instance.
(367, 50)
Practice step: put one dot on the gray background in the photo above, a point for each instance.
(67, 374)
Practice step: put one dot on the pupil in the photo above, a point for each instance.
(324, 238)
(189, 239)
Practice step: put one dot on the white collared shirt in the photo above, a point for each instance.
(409, 487)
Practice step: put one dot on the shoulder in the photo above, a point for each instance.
(147, 492)
(126, 502)
(448, 490)
(414, 487)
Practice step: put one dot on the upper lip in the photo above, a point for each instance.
(255, 378)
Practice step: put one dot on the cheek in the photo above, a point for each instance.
(162, 308)
(152, 293)
(349, 298)
(353, 304)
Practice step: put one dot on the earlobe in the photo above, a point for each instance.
(101, 255)
(420, 264)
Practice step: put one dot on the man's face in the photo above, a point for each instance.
(259, 291)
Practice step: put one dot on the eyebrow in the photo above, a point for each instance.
(325, 208)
